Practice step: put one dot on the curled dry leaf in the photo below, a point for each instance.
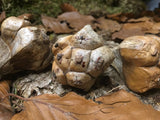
(142, 19)
(155, 29)
(26, 16)
(53, 24)
(67, 8)
(140, 26)
(108, 25)
(2, 16)
(23, 47)
(6, 111)
(76, 20)
(120, 17)
(119, 106)
(122, 105)
(4, 89)
(131, 29)
(156, 18)
(66, 22)
(127, 32)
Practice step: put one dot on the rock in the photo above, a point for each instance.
(140, 56)
(23, 47)
(80, 59)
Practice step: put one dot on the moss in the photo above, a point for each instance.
(134, 6)
(52, 7)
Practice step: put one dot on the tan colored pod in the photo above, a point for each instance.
(24, 37)
(80, 60)
(82, 57)
(61, 44)
(154, 37)
(140, 57)
(87, 39)
(80, 80)
(140, 50)
(63, 58)
(28, 47)
(100, 59)
(141, 79)
(5, 53)
(58, 74)
(10, 26)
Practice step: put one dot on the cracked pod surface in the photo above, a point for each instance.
(26, 47)
(140, 56)
(80, 58)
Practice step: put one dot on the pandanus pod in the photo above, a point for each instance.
(23, 47)
(141, 62)
(80, 58)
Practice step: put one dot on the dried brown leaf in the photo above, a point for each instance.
(118, 17)
(147, 13)
(67, 22)
(5, 107)
(156, 18)
(118, 106)
(2, 16)
(143, 25)
(54, 25)
(108, 25)
(122, 17)
(155, 29)
(142, 19)
(4, 89)
(147, 25)
(26, 16)
(112, 16)
(67, 8)
(76, 20)
(124, 33)
(131, 29)
(125, 106)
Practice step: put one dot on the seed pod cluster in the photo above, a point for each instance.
(23, 47)
(141, 62)
(80, 58)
